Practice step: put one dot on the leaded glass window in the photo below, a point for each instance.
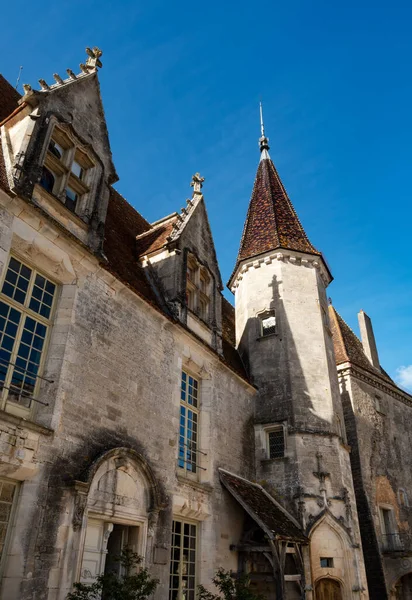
(183, 561)
(189, 421)
(26, 303)
(276, 442)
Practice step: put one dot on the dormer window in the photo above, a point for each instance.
(198, 284)
(67, 170)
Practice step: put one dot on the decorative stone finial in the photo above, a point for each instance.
(57, 78)
(27, 88)
(197, 183)
(71, 74)
(94, 57)
(44, 85)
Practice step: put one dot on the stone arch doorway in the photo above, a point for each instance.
(328, 589)
(120, 511)
(403, 588)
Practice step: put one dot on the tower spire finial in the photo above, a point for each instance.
(263, 141)
(262, 127)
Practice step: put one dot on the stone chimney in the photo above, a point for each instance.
(368, 338)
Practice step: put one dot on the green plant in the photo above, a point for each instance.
(230, 588)
(133, 585)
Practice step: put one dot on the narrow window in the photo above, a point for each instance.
(198, 288)
(403, 498)
(71, 199)
(47, 180)
(390, 535)
(326, 562)
(380, 405)
(276, 442)
(183, 561)
(26, 302)
(267, 323)
(7, 498)
(189, 420)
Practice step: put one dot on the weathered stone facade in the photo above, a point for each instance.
(148, 404)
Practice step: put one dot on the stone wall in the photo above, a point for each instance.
(116, 365)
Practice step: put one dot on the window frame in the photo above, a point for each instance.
(61, 168)
(187, 472)
(198, 288)
(267, 314)
(183, 522)
(271, 429)
(328, 559)
(5, 404)
(390, 539)
(10, 524)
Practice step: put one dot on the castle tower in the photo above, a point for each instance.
(284, 337)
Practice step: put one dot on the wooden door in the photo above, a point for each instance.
(328, 589)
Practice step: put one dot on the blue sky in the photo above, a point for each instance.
(181, 82)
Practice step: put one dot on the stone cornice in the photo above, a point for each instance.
(297, 258)
(347, 368)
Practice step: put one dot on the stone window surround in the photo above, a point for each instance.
(19, 410)
(261, 316)
(188, 472)
(394, 540)
(262, 440)
(198, 288)
(85, 201)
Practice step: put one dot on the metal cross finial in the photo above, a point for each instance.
(197, 183)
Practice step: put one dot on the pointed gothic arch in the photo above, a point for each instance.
(332, 557)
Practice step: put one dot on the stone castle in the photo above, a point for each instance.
(139, 408)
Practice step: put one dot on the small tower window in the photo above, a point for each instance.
(267, 323)
(326, 562)
(275, 440)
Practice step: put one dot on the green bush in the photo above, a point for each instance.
(133, 585)
(230, 588)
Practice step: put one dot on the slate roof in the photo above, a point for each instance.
(9, 98)
(271, 220)
(268, 514)
(348, 347)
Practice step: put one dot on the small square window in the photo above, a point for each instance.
(267, 324)
(326, 562)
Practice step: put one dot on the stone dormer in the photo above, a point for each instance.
(57, 153)
(178, 253)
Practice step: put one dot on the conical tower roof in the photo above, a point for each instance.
(271, 220)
